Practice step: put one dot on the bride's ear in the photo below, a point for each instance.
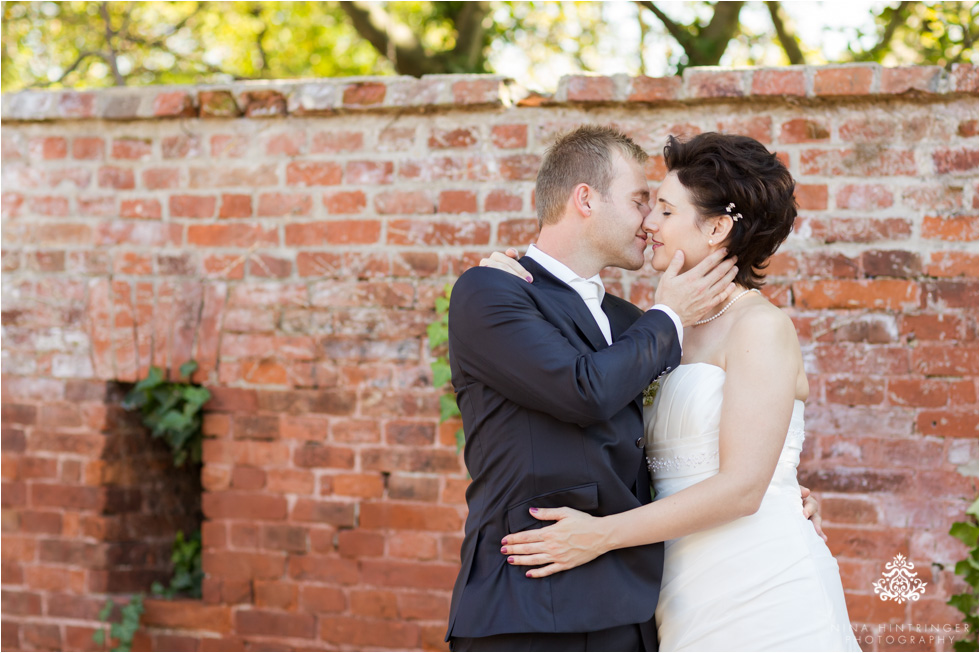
(719, 229)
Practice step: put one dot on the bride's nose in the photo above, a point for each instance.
(649, 225)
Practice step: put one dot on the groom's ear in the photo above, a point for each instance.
(582, 197)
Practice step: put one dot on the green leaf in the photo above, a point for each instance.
(187, 369)
(106, 610)
(441, 373)
(153, 378)
(437, 334)
(447, 407)
(99, 637)
(195, 396)
(966, 533)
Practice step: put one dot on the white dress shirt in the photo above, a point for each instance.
(592, 291)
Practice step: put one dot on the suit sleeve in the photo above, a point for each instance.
(498, 336)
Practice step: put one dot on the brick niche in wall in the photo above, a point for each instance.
(292, 238)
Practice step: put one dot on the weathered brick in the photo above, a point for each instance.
(450, 138)
(509, 136)
(149, 209)
(86, 147)
(366, 93)
(333, 495)
(232, 206)
(369, 172)
(654, 89)
(131, 148)
(790, 82)
(845, 80)
(118, 178)
(333, 142)
(192, 206)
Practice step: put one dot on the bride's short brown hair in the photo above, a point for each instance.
(723, 169)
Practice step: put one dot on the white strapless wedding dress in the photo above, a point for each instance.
(765, 582)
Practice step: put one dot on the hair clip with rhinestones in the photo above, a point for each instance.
(735, 216)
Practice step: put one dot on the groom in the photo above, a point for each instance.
(549, 377)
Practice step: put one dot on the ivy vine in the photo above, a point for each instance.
(438, 332)
(172, 410)
(966, 602)
(188, 575)
(121, 631)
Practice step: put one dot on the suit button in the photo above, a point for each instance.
(639, 443)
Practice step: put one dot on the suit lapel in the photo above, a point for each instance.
(621, 317)
(569, 302)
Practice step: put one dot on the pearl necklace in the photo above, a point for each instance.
(727, 306)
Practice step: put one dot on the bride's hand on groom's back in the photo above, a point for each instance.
(508, 263)
(811, 510)
(573, 540)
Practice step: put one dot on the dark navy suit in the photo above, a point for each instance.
(553, 417)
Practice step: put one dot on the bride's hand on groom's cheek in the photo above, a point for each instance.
(508, 263)
(573, 540)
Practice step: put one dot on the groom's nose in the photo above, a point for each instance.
(649, 225)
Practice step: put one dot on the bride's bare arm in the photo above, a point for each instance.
(762, 364)
(508, 263)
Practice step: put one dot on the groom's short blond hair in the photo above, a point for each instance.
(581, 156)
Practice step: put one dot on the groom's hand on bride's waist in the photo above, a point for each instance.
(693, 294)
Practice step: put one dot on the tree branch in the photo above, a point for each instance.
(82, 57)
(110, 56)
(388, 35)
(160, 40)
(784, 33)
(712, 41)
(894, 22)
(470, 34)
(685, 38)
(263, 58)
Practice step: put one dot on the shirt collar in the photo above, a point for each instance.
(562, 271)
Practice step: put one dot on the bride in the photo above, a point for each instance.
(744, 569)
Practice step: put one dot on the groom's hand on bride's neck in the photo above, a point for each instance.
(694, 294)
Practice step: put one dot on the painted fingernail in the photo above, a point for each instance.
(528, 278)
(534, 509)
(503, 549)
(510, 560)
(503, 541)
(527, 574)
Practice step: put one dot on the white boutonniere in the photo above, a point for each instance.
(650, 393)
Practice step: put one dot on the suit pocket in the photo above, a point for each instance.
(581, 497)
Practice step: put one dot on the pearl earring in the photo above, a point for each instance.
(711, 242)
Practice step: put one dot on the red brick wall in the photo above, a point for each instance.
(292, 238)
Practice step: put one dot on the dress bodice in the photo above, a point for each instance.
(682, 432)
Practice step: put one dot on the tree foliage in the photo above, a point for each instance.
(941, 33)
(89, 44)
(905, 32)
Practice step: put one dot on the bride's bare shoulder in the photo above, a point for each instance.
(763, 324)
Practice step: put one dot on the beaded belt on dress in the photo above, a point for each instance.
(676, 463)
